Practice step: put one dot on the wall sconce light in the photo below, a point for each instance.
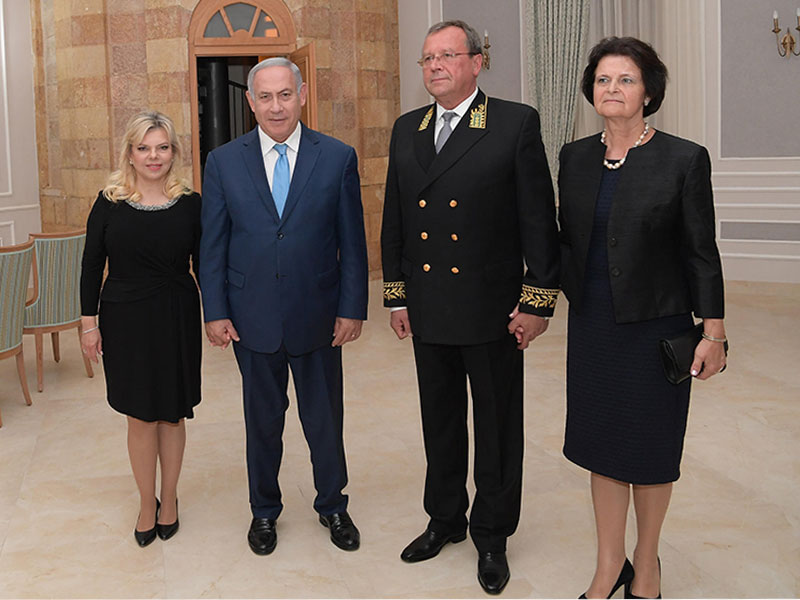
(485, 52)
(787, 41)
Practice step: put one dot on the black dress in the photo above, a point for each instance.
(149, 308)
(624, 419)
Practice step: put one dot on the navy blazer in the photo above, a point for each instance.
(662, 253)
(283, 280)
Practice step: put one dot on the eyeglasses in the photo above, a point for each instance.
(446, 57)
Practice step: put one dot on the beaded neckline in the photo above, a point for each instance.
(616, 165)
(152, 207)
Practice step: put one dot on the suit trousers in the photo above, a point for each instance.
(317, 379)
(495, 375)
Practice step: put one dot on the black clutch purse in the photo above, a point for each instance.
(677, 354)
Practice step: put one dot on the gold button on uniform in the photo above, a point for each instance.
(454, 237)
(424, 235)
(453, 203)
(426, 267)
(454, 270)
(422, 203)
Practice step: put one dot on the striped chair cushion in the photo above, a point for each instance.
(58, 262)
(15, 268)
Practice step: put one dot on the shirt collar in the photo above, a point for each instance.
(461, 109)
(293, 141)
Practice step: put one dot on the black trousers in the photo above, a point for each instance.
(494, 371)
(318, 383)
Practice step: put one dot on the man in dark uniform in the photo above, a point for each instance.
(468, 197)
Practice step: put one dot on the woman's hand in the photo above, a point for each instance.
(91, 341)
(92, 345)
(709, 356)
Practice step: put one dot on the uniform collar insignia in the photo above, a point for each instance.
(426, 119)
(477, 116)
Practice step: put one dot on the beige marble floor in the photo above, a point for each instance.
(68, 502)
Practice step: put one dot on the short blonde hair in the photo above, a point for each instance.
(121, 184)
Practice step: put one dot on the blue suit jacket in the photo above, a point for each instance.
(283, 280)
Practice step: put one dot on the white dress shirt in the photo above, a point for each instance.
(271, 155)
(460, 111)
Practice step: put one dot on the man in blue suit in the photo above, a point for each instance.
(283, 271)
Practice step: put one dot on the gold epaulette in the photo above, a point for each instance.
(537, 297)
(394, 290)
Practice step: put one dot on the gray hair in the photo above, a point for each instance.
(275, 61)
(473, 39)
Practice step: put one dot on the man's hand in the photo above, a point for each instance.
(221, 332)
(346, 330)
(526, 327)
(398, 321)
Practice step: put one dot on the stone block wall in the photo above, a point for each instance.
(100, 61)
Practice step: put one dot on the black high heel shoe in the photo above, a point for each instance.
(145, 538)
(629, 594)
(167, 531)
(625, 578)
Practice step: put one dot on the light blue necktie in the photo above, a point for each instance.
(280, 179)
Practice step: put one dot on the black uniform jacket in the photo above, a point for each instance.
(457, 225)
(662, 254)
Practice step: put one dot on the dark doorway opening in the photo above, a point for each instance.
(222, 104)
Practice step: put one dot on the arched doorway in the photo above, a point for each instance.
(229, 36)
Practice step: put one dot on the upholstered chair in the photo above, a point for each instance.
(56, 303)
(15, 270)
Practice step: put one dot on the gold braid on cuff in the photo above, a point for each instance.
(538, 297)
(394, 290)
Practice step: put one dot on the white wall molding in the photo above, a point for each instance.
(19, 207)
(19, 203)
(5, 164)
(748, 190)
(761, 257)
(774, 206)
(7, 237)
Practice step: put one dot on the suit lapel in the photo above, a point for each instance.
(423, 139)
(306, 159)
(466, 134)
(589, 182)
(254, 163)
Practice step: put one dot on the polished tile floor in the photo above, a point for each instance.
(68, 501)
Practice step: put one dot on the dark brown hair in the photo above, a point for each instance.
(654, 72)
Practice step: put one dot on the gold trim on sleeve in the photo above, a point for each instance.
(426, 119)
(394, 290)
(538, 297)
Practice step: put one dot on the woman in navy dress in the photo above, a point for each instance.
(146, 224)
(639, 257)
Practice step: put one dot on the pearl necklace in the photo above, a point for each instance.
(618, 164)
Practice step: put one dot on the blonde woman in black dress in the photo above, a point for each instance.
(146, 224)
(639, 257)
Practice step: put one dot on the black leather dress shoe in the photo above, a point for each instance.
(262, 536)
(344, 533)
(167, 531)
(145, 538)
(493, 573)
(429, 544)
